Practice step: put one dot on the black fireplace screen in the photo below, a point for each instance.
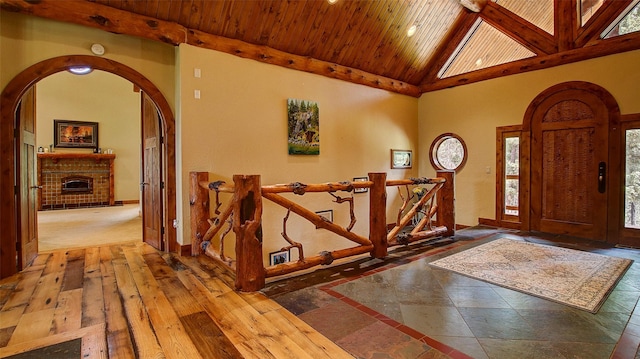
(77, 185)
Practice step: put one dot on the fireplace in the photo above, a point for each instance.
(76, 185)
(75, 180)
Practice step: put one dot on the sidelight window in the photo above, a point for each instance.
(508, 174)
(632, 179)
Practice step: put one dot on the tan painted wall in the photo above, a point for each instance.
(27, 40)
(239, 126)
(474, 111)
(97, 97)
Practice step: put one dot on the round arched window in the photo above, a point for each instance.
(448, 152)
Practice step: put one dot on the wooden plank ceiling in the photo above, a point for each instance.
(365, 41)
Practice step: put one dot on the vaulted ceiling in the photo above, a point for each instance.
(455, 42)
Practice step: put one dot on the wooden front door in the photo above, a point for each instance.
(27, 215)
(570, 163)
(151, 186)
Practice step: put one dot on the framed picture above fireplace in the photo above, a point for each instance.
(75, 134)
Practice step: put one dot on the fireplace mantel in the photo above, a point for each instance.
(58, 156)
(54, 167)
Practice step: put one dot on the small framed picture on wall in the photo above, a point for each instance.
(401, 159)
(278, 257)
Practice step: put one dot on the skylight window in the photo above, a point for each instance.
(627, 23)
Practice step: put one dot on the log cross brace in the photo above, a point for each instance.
(291, 242)
(216, 187)
(405, 202)
(351, 212)
(224, 234)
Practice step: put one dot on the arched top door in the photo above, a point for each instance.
(9, 100)
(569, 151)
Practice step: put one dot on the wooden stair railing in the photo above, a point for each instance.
(244, 215)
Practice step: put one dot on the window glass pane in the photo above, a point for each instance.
(512, 155)
(511, 197)
(632, 180)
(511, 174)
(588, 8)
(630, 23)
(450, 153)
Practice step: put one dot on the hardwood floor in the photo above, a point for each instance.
(127, 301)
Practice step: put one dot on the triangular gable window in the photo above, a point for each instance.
(484, 47)
(588, 8)
(627, 23)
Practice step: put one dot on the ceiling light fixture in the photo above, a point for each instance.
(331, 2)
(412, 30)
(80, 70)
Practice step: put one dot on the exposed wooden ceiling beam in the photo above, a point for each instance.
(606, 47)
(123, 22)
(301, 63)
(102, 17)
(519, 29)
(565, 23)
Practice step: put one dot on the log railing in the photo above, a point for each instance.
(424, 214)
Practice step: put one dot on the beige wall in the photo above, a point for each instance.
(27, 40)
(474, 111)
(97, 97)
(239, 126)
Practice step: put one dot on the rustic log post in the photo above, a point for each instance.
(445, 215)
(378, 214)
(247, 225)
(198, 209)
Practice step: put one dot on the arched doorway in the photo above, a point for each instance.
(11, 181)
(570, 155)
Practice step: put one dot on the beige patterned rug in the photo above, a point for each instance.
(579, 279)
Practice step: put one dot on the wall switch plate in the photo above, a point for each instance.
(196, 94)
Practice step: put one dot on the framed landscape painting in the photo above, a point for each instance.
(303, 123)
(75, 134)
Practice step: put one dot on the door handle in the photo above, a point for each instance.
(602, 177)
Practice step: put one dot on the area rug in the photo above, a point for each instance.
(578, 279)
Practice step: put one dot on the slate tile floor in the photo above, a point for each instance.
(403, 308)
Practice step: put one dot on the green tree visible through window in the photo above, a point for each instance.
(632, 180)
(630, 23)
(512, 175)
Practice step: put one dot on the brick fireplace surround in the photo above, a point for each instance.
(54, 168)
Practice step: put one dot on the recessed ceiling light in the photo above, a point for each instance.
(80, 70)
(412, 30)
(479, 61)
(331, 2)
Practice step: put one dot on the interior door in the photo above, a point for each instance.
(27, 215)
(151, 186)
(569, 165)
